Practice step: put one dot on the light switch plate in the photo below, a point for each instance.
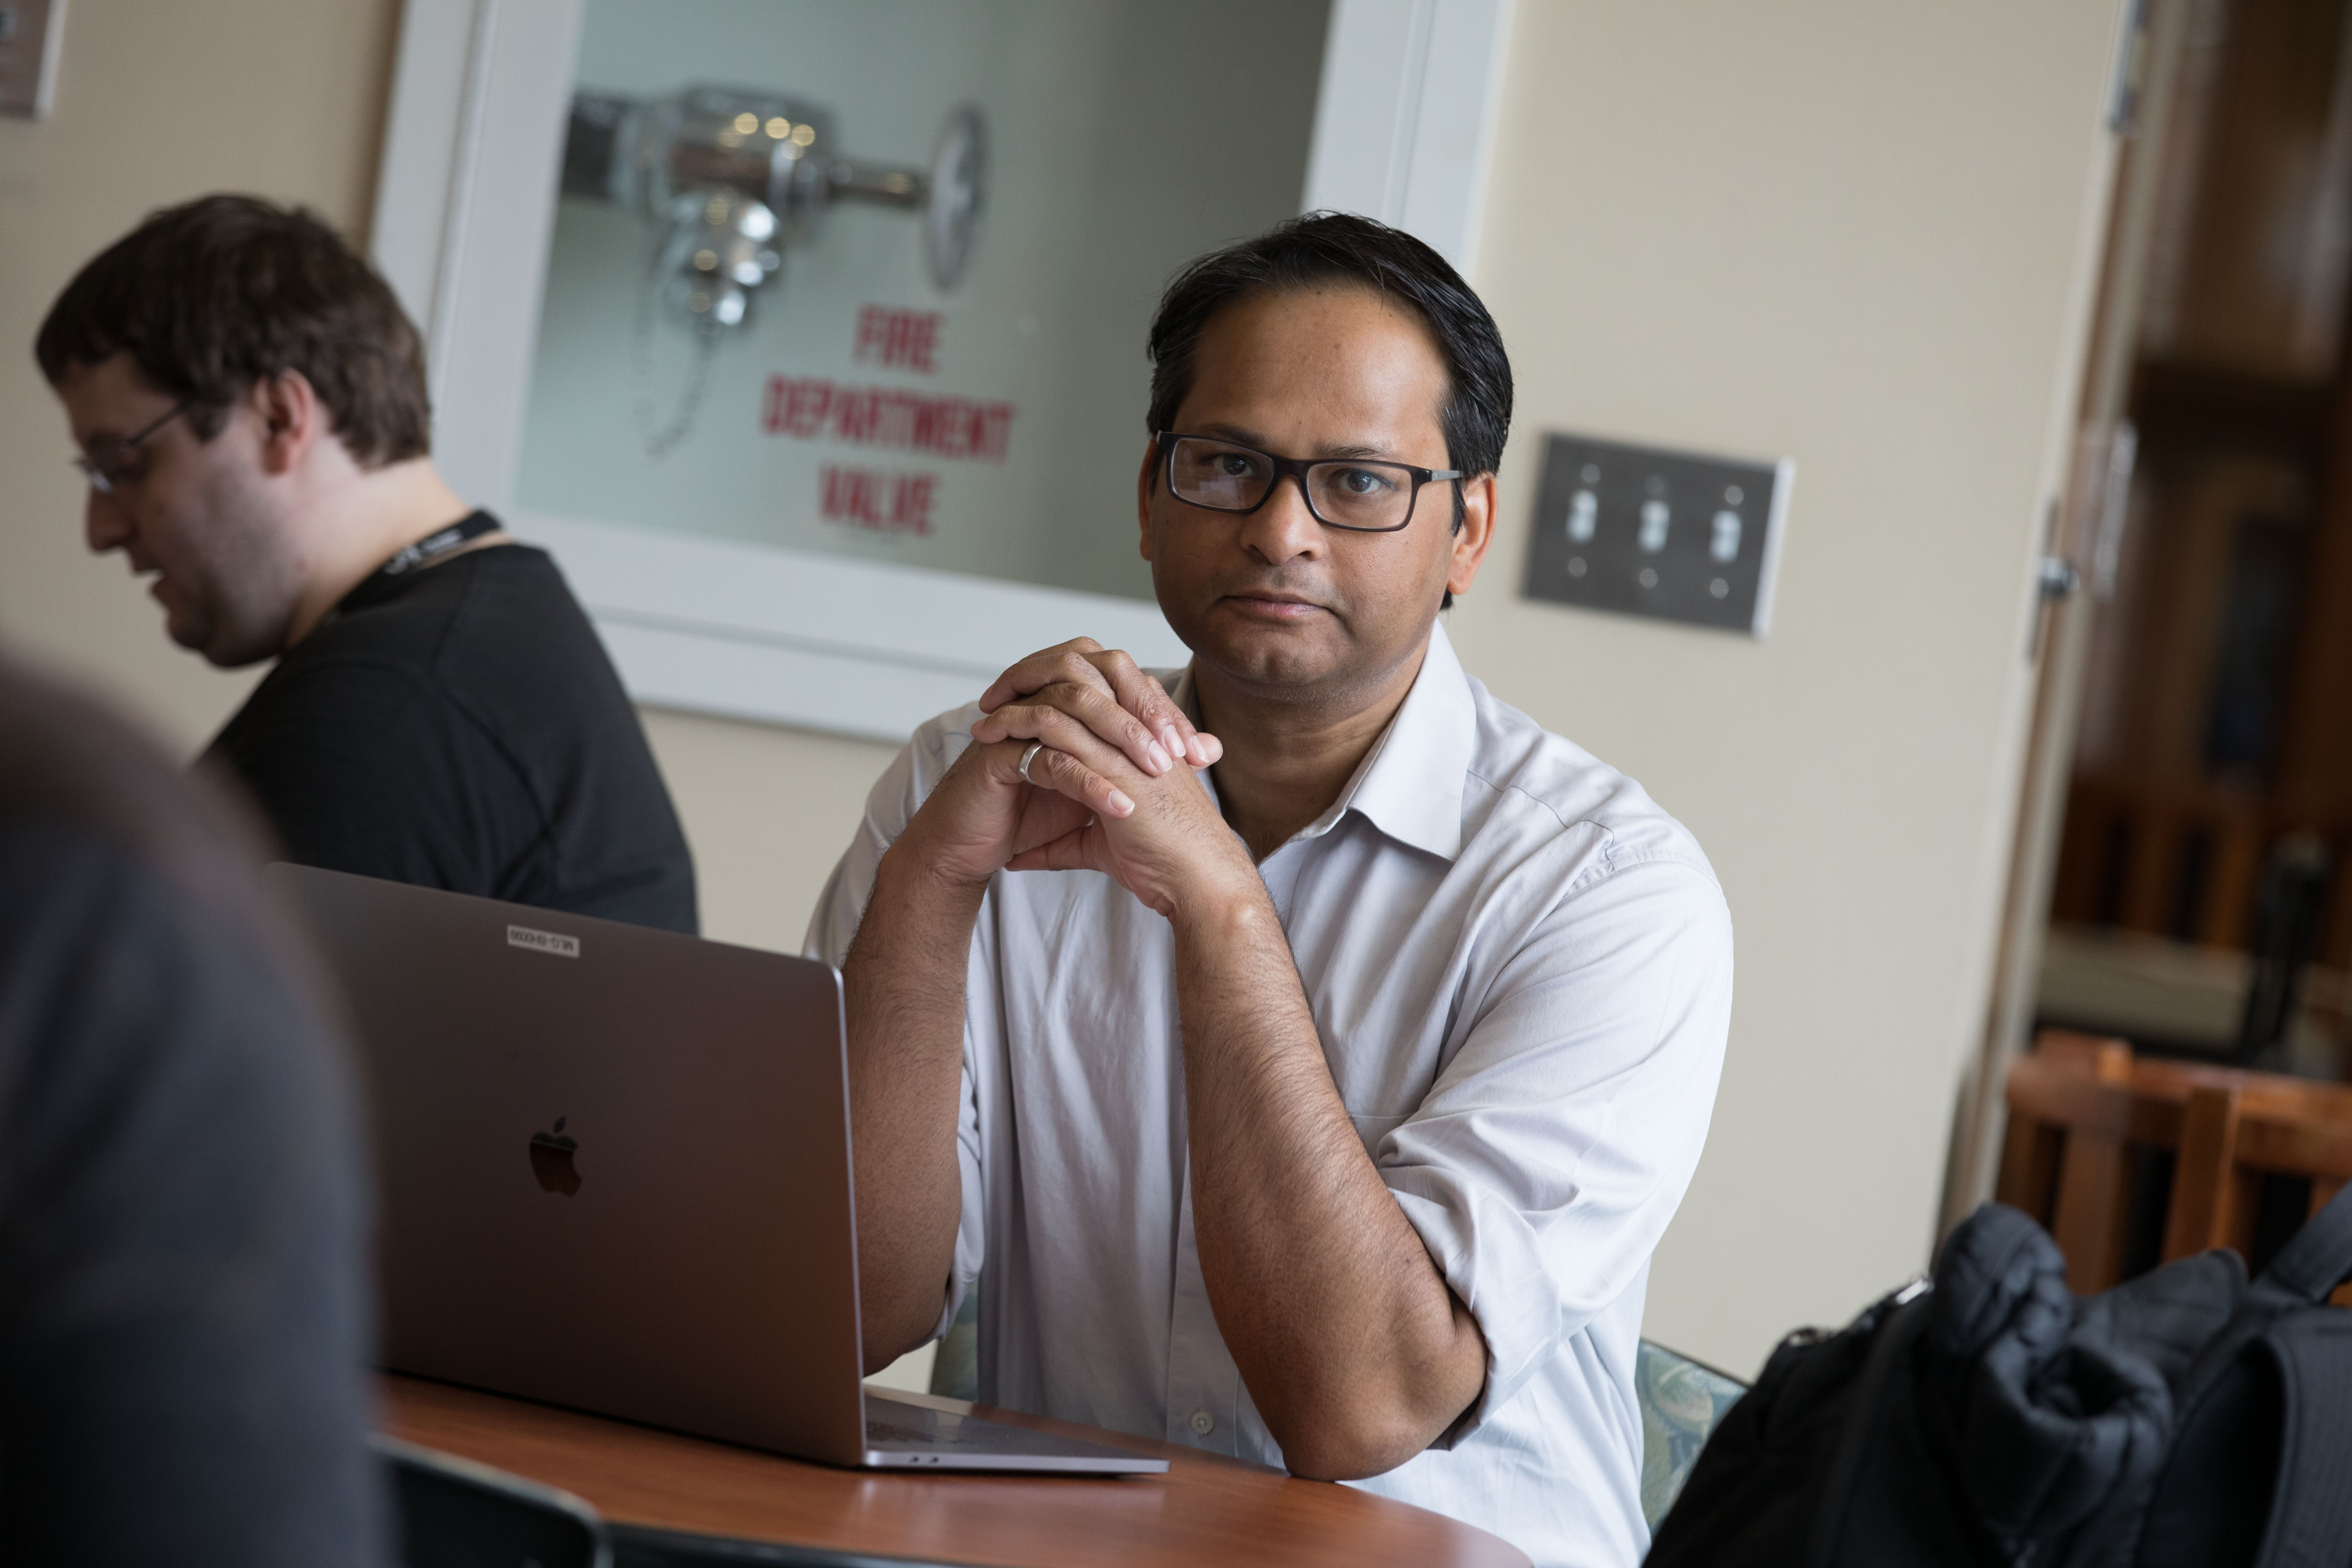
(30, 31)
(1640, 531)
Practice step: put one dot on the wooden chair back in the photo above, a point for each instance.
(2079, 1105)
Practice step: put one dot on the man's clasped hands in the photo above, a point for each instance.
(1114, 789)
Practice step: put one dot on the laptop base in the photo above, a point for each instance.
(903, 1436)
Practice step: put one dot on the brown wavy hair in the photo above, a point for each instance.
(211, 297)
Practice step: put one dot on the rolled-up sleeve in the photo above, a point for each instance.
(1554, 1147)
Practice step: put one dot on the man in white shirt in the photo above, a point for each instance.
(1302, 1060)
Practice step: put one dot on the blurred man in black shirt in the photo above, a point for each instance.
(184, 1304)
(250, 404)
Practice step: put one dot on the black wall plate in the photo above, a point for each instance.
(1645, 532)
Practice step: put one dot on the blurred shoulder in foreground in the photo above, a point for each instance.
(185, 1299)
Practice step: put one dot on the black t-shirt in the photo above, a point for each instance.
(458, 726)
(184, 1301)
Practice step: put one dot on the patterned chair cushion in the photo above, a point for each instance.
(955, 1371)
(1681, 1402)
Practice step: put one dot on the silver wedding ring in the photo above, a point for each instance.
(1030, 756)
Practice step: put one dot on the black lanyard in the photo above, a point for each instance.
(433, 547)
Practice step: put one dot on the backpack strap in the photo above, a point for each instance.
(2311, 1511)
(2319, 1256)
(1905, 1320)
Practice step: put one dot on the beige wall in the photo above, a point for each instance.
(1856, 234)
(769, 811)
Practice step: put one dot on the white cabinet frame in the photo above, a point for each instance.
(464, 212)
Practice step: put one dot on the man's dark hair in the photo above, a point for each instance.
(1322, 250)
(209, 298)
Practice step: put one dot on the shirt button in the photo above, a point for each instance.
(1203, 1423)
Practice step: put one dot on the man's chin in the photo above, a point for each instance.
(1275, 658)
(195, 638)
(236, 657)
(219, 651)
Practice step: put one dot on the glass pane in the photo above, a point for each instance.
(900, 386)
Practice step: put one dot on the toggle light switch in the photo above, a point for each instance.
(1655, 517)
(1725, 546)
(1604, 537)
(1583, 516)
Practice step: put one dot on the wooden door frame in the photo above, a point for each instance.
(2085, 517)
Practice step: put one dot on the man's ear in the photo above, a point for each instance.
(1476, 533)
(293, 420)
(1144, 477)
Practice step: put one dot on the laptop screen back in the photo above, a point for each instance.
(612, 1162)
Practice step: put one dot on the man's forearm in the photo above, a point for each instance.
(904, 984)
(1354, 1350)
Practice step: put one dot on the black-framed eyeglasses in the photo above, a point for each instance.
(105, 473)
(1357, 494)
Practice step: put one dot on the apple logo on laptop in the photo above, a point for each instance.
(551, 1161)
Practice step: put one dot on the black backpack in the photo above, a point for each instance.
(2186, 1417)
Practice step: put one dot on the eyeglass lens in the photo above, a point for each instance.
(1226, 478)
(109, 468)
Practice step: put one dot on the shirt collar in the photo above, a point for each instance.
(1410, 784)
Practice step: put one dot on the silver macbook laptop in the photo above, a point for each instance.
(614, 1173)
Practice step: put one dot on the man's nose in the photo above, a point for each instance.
(1283, 530)
(104, 524)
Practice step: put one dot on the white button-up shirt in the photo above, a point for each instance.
(1520, 968)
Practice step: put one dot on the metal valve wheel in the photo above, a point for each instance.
(958, 191)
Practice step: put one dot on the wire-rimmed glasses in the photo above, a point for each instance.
(104, 473)
(1360, 495)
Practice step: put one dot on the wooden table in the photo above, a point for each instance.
(1205, 1510)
